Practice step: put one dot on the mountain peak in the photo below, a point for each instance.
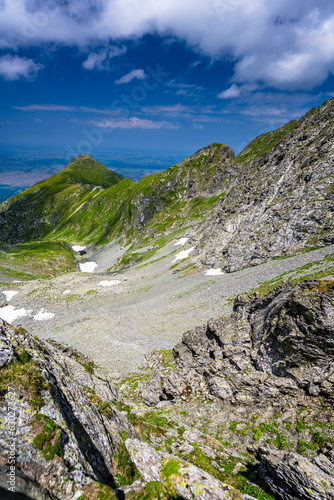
(84, 169)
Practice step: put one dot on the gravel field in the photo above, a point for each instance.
(116, 324)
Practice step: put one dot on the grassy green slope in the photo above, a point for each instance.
(32, 214)
(36, 259)
(157, 204)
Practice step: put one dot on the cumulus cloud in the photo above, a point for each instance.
(14, 67)
(283, 43)
(135, 122)
(138, 74)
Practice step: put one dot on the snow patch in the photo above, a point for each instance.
(183, 255)
(87, 267)
(66, 292)
(78, 248)
(214, 272)
(43, 315)
(10, 314)
(109, 283)
(9, 294)
(181, 242)
(17, 281)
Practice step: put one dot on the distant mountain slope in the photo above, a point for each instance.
(161, 203)
(31, 215)
(282, 199)
(276, 197)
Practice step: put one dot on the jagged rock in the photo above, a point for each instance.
(272, 346)
(280, 199)
(180, 477)
(147, 460)
(292, 476)
(85, 439)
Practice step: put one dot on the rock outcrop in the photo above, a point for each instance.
(266, 375)
(271, 347)
(63, 437)
(292, 476)
(62, 440)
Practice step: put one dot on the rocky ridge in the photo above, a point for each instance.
(281, 199)
(61, 428)
(242, 405)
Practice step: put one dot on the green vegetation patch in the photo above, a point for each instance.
(25, 376)
(150, 423)
(37, 259)
(85, 362)
(49, 440)
(127, 472)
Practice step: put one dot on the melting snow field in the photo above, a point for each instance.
(10, 314)
(214, 272)
(9, 294)
(87, 267)
(109, 283)
(183, 255)
(78, 248)
(181, 242)
(43, 315)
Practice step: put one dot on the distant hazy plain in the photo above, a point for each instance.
(22, 167)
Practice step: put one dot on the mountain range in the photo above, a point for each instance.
(275, 198)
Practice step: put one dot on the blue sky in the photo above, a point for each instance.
(154, 77)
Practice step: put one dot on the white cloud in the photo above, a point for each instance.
(60, 107)
(14, 67)
(135, 122)
(230, 93)
(100, 60)
(135, 73)
(283, 43)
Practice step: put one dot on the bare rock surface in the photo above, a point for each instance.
(292, 476)
(64, 436)
(273, 346)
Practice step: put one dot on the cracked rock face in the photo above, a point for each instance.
(71, 441)
(280, 345)
(292, 476)
(88, 440)
(281, 198)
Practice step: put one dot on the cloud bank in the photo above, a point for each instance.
(287, 44)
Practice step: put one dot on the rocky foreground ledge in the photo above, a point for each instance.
(243, 409)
